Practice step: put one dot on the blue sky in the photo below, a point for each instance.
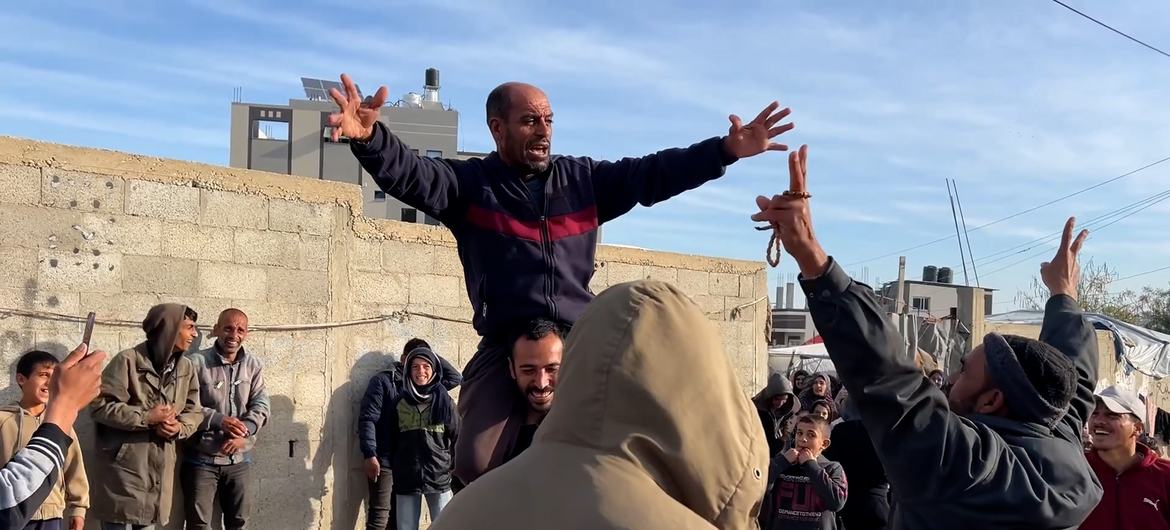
(1020, 101)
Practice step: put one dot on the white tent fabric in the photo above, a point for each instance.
(1146, 350)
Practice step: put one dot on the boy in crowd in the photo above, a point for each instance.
(69, 497)
(149, 400)
(805, 490)
(218, 460)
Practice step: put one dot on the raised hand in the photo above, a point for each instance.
(355, 118)
(791, 455)
(1062, 274)
(789, 215)
(805, 456)
(754, 138)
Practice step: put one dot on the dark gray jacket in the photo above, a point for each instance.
(235, 390)
(949, 471)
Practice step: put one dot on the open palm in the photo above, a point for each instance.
(756, 137)
(355, 118)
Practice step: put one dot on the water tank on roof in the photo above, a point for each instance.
(930, 273)
(945, 275)
(412, 100)
(432, 78)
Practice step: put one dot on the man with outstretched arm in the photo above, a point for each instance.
(525, 222)
(1003, 450)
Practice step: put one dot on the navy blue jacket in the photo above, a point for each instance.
(530, 257)
(377, 420)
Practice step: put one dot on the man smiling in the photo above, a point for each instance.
(1136, 481)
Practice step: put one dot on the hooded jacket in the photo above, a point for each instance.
(650, 429)
(773, 420)
(69, 496)
(1136, 499)
(377, 421)
(949, 471)
(135, 468)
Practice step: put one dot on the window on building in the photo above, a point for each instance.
(920, 303)
(789, 321)
(410, 215)
(379, 196)
(269, 130)
(432, 153)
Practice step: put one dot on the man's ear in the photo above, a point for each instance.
(21, 380)
(990, 402)
(496, 127)
(511, 369)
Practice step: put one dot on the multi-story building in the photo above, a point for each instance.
(296, 139)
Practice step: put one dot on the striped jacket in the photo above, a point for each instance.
(27, 479)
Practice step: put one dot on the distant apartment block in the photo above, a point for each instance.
(295, 139)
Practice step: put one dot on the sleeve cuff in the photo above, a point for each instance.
(216, 421)
(827, 286)
(725, 158)
(74, 511)
(53, 433)
(375, 143)
(252, 427)
(1062, 302)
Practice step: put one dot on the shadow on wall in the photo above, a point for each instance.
(338, 462)
(280, 467)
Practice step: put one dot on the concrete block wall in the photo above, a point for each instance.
(86, 230)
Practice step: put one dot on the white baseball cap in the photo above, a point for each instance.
(1122, 401)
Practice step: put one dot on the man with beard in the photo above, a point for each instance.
(525, 222)
(1004, 450)
(534, 365)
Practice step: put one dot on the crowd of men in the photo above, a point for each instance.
(620, 411)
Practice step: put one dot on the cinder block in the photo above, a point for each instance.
(300, 217)
(600, 280)
(694, 282)
(314, 253)
(37, 227)
(121, 306)
(436, 290)
(148, 274)
(380, 288)
(35, 299)
(89, 192)
(286, 354)
(624, 272)
(226, 208)
(724, 284)
(662, 274)
(226, 280)
(366, 255)
(118, 233)
(21, 184)
(411, 258)
(191, 241)
(66, 271)
(267, 248)
(294, 286)
(746, 309)
(166, 201)
(711, 305)
(447, 261)
(747, 286)
(20, 266)
(312, 389)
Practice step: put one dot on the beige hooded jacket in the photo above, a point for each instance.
(650, 429)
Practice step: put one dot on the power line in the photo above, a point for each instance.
(1110, 28)
(1163, 196)
(1160, 269)
(1014, 215)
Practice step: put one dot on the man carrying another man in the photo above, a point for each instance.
(526, 222)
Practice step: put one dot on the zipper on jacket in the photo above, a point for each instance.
(1117, 500)
(546, 247)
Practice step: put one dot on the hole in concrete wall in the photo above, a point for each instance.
(53, 301)
(97, 203)
(53, 263)
(111, 267)
(95, 266)
(109, 185)
(72, 204)
(270, 130)
(56, 179)
(76, 250)
(97, 252)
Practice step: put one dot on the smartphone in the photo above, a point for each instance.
(89, 320)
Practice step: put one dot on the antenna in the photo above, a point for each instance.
(958, 236)
(965, 234)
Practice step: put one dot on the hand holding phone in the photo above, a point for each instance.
(88, 334)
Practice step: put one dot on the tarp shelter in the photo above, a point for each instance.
(810, 357)
(1138, 348)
